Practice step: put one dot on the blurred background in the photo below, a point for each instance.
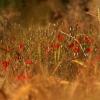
(42, 10)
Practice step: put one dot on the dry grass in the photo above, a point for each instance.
(52, 62)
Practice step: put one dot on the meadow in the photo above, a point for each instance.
(50, 61)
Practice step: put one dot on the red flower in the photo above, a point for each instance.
(71, 45)
(76, 49)
(5, 65)
(60, 37)
(74, 46)
(55, 46)
(28, 62)
(88, 50)
(87, 39)
(22, 77)
(21, 46)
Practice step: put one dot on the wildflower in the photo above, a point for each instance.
(60, 37)
(55, 46)
(87, 39)
(88, 50)
(22, 77)
(5, 65)
(28, 62)
(74, 46)
(21, 46)
(76, 49)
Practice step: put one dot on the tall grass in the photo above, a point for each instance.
(52, 62)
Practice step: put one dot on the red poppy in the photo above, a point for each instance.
(74, 46)
(28, 62)
(88, 50)
(60, 37)
(87, 39)
(76, 49)
(5, 65)
(55, 46)
(22, 77)
(21, 46)
(71, 45)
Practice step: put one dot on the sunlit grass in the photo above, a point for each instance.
(52, 62)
